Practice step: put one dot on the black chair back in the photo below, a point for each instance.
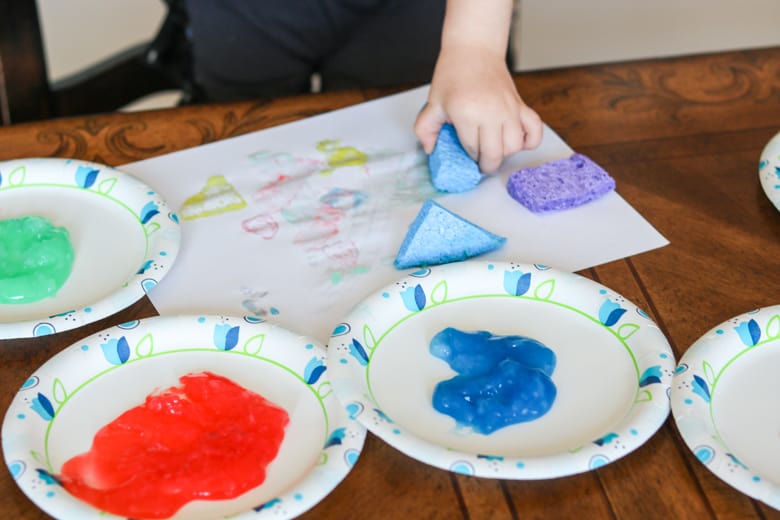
(26, 94)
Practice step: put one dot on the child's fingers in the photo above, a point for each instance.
(491, 148)
(514, 138)
(533, 128)
(427, 126)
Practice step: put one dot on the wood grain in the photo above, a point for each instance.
(682, 137)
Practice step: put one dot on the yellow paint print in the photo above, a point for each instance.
(216, 197)
(340, 156)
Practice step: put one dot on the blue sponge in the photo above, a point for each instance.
(438, 236)
(452, 169)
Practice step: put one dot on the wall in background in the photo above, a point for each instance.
(556, 33)
(80, 33)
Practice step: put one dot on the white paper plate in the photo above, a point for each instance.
(769, 170)
(726, 402)
(614, 367)
(59, 409)
(124, 237)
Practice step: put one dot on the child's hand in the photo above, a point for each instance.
(473, 89)
(477, 95)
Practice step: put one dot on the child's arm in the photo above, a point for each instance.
(473, 89)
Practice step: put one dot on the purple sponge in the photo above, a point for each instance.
(452, 169)
(438, 236)
(562, 184)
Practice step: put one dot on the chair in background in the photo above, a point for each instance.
(26, 94)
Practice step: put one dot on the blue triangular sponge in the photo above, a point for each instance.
(438, 236)
(452, 169)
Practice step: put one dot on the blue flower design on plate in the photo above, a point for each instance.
(145, 266)
(31, 382)
(43, 407)
(606, 439)
(736, 461)
(341, 329)
(336, 437)
(225, 336)
(490, 457)
(382, 415)
(700, 387)
(17, 468)
(650, 376)
(351, 457)
(116, 351)
(610, 312)
(414, 298)
(314, 369)
(463, 467)
(354, 409)
(148, 212)
(598, 461)
(86, 176)
(47, 477)
(517, 283)
(44, 329)
(704, 453)
(749, 332)
(358, 352)
(271, 503)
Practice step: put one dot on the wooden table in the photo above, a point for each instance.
(682, 137)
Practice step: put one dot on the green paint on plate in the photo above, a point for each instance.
(36, 258)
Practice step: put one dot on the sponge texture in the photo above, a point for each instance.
(438, 236)
(452, 170)
(562, 184)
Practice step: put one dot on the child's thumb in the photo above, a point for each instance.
(427, 126)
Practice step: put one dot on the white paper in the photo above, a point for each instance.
(312, 241)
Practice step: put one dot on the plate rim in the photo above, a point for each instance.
(765, 165)
(655, 410)
(343, 437)
(159, 222)
(691, 404)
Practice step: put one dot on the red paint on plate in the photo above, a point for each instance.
(207, 439)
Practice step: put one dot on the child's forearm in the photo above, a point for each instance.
(477, 23)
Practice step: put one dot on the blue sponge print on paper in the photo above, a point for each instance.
(438, 236)
(452, 170)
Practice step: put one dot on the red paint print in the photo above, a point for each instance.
(206, 439)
